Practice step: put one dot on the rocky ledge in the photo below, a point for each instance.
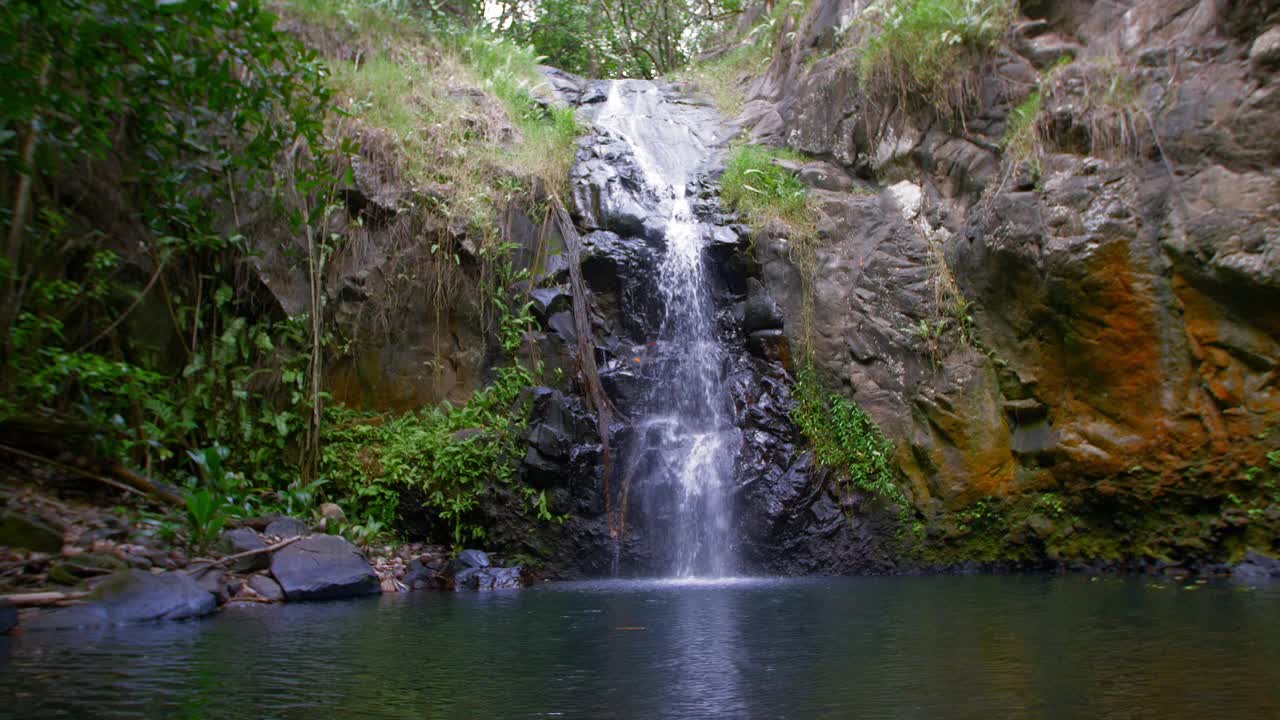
(286, 562)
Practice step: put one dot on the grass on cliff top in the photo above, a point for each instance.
(460, 104)
(929, 50)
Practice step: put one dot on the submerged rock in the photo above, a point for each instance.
(323, 567)
(134, 596)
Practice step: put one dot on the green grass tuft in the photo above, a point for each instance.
(927, 50)
(754, 184)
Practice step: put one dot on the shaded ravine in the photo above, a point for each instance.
(684, 423)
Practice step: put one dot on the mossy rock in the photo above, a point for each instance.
(64, 574)
(29, 533)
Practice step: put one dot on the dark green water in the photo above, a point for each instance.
(930, 647)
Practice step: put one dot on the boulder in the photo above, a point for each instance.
(473, 559)
(213, 579)
(134, 596)
(243, 540)
(1247, 573)
(266, 587)
(1263, 562)
(332, 515)
(418, 576)
(286, 527)
(30, 533)
(323, 567)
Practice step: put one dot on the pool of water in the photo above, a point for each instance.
(917, 647)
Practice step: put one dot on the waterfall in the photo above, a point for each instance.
(687, 421)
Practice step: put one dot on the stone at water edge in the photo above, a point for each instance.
(286, 527)
(20, 530)
(241, 540)
(133, 596)
(489, 578)
(212, 578)
(266, 587)
(473, 559)
(323, 567)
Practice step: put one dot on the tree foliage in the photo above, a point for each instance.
(127, 131)
(615, 38)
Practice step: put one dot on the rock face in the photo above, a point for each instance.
(323, 567)
(133, 596)
(1102, 324)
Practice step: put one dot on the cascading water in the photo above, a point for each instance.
(687, 425)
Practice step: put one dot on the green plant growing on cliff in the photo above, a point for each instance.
(1021, 141)
(1106, 107)
(846, 439)
(930, 51)
(754, 184)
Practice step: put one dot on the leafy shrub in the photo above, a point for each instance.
(448, 456)
(205, 515)
(929, 49)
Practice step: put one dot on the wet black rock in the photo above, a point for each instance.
(761, 312)
(323, 567)
(243, 540)
(134, 596)
(489, 578)
(471, 559)
(418, 576)
(548, 301)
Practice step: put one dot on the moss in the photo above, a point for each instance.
(1196, 517)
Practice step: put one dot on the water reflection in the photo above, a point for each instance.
(749, 648)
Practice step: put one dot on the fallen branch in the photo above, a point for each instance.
(209, 564)
(150, 487)
(42, 599)
(615, 511)
(71, 469)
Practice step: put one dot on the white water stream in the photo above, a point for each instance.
(687, 419)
